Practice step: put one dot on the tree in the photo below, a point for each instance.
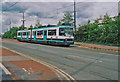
(0, 35)
(31, 26)
(106, 33)
(96, 21)
(21, 27)
(12, 33)
(68, 18)
(106, 18)
(37, 24)
(88, 21)
(59, 23)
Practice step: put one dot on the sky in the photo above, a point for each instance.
(50, 12)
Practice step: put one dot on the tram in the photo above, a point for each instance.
(55, 35)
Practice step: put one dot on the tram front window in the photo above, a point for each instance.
(66, 32)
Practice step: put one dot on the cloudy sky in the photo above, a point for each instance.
(51, 12)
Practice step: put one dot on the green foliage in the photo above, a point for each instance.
(105, 33)
(68, 18)
(0, 34)
(59, 23)
(96, 21)
(31, 26)
(37, 24)
(12, 33)
(48, 24)
(88, 21)
(21, 27)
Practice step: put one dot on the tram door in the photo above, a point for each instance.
(21, 35)
(45, 35)
(27, 35)
(34, 35)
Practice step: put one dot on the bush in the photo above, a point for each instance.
(107, 33)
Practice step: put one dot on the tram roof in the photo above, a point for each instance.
(48, 27)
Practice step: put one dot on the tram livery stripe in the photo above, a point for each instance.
(48, 39)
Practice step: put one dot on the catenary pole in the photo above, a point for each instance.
(75, 18)
(23, 21)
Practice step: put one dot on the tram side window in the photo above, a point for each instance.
(39, 33)
(52, 32)
(19, 33)
(28, 33)
(24, 33)
(61, 32)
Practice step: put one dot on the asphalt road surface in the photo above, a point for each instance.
(81, 63)
(4, 76)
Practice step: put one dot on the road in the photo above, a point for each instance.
(4, 76)
(81, 63)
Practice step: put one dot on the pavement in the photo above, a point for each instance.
(97, 46)
(22, 68)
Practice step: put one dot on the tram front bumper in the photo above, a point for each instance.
(65, 43)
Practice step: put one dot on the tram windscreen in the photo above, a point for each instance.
(66, 31)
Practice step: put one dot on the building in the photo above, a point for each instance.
(102, 19)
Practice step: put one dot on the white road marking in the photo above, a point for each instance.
(90, 59)
(5, 70)
(108, 54)
(24, 69)
(100, 61)
(30, 70)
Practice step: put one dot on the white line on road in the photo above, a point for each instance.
(5, 70)
(108, 54)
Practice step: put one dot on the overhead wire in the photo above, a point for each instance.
(56, 10)
(8, 9)
(46, 12)
(10, 6)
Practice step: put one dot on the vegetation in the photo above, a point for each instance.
(68, 19)
(59, 23)
(37, 24)
(100, 33)
(12, 33)
(0, 35)
(31, 26)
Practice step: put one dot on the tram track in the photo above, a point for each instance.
(61, 74)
